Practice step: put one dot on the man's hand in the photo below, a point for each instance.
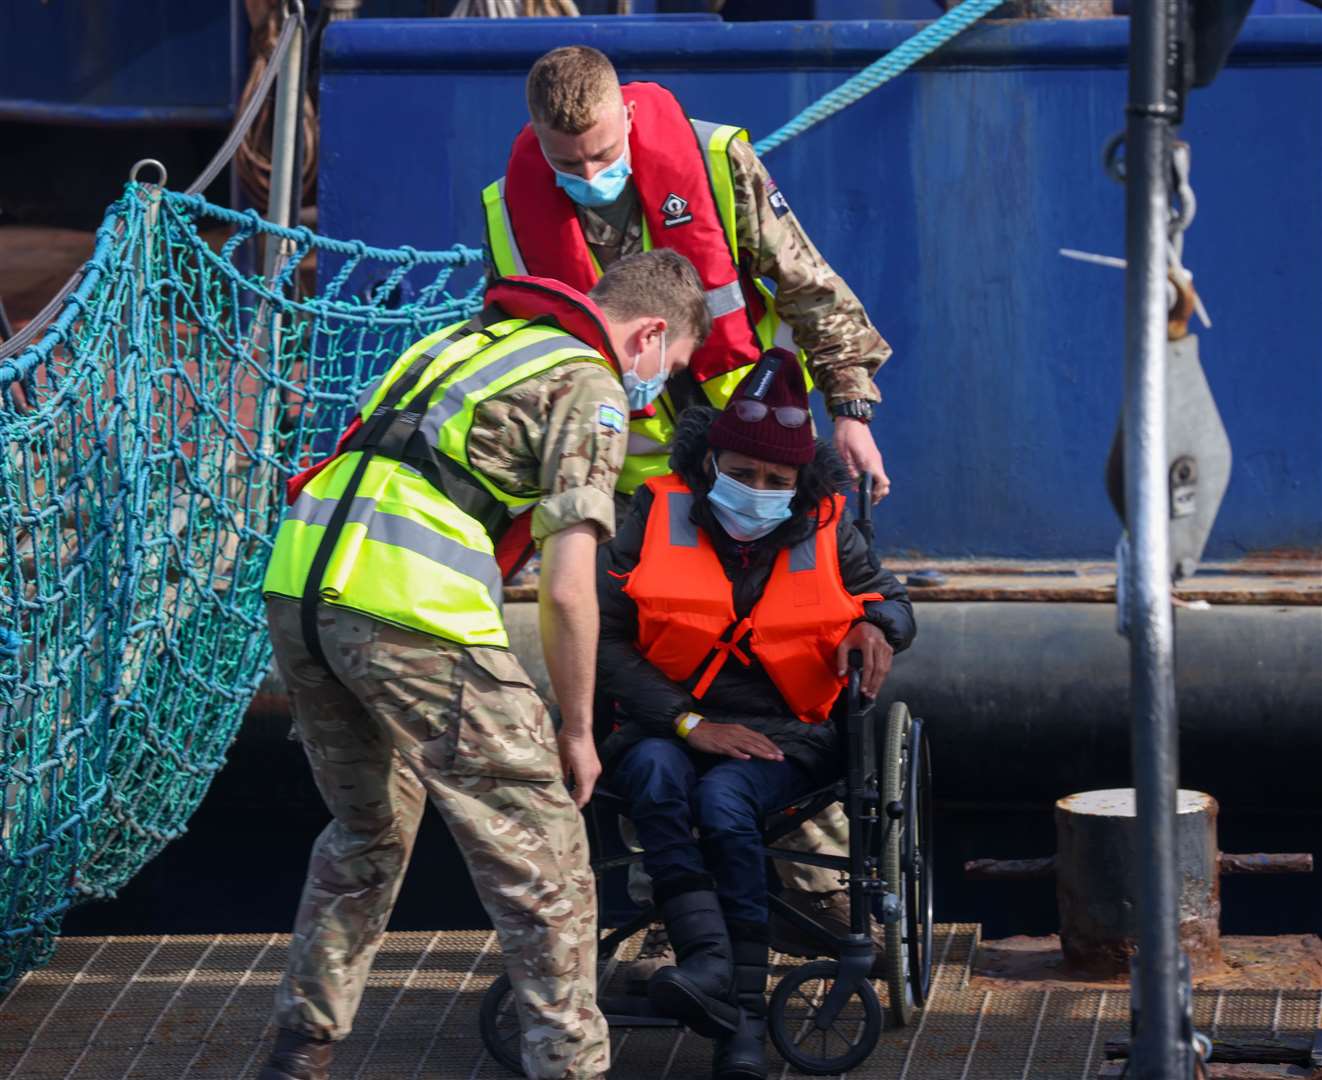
(877, 656)
(854, 443)
(567, 608)
(578, 758)
(733, 740)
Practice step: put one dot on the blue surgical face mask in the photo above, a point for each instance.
(642, 392)
(744, 512)
(604, 188)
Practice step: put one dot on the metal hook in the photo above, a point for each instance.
(164, 177)
(1112, 161)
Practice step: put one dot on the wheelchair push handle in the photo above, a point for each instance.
(863, 513)
(855, 678)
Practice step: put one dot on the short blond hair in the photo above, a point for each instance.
(568, 87)
(656, 284)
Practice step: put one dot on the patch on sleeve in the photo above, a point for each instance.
(779, 204)
(611, 418)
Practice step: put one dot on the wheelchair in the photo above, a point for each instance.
(824, 1016)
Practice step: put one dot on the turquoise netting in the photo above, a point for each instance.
(146, 436)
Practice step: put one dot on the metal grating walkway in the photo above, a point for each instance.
(196, 1008)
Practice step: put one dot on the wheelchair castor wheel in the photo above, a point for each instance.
(498, 1023)
(906, 862)
(813, 1042)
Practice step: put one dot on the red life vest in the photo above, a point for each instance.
(514, 298)
(668, 164)
(686, 615)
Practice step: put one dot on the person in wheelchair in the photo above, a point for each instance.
(730, 598)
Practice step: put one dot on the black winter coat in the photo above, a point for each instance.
(645, 702)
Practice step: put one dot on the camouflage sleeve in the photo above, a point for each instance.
(561, 438)
(829, 324)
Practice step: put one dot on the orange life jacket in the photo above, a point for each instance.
(686, 615)
(678, 207)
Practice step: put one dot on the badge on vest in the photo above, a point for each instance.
(779, 204)
(675, 211)
(611, 418)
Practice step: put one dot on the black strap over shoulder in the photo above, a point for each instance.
(390, 431)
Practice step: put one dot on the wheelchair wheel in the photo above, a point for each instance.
(498, 1023)
(811, 1048)
(906, 774)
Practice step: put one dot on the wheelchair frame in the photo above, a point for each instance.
(888, 805)
(886, 792)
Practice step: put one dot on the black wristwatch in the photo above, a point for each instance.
(854, 409)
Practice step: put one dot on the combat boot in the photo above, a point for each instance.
(297, 1057)
(700, 991)
(743, 1055)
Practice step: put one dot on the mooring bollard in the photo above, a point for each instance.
(1096, 885)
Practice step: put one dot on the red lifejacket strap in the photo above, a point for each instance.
(677, 202)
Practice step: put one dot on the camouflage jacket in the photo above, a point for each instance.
(558, 437)
(829, 324)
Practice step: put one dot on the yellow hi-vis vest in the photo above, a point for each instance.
(650, 436)
(405, 553)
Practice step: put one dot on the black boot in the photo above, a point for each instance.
(743, 1055)
(700, 991)
(297, 1057)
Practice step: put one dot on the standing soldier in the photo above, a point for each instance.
(384, 603)
(604, 171)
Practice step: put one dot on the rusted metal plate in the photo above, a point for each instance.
(1290, 962)
(1116, 1070)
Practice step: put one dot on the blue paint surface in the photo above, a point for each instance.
(122, 61)
(942, 198)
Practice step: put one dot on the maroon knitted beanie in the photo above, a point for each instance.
(776, 380)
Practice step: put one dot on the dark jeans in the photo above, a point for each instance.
(671, 791)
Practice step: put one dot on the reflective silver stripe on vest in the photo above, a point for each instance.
(803, 555)
(431, 353)
(404, 533)
(452, 401)
(683, 533)
(644, 444)
(706, 130)
(313, 511)
(519, 267)
(726, 300)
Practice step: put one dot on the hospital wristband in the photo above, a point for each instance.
(686, 723)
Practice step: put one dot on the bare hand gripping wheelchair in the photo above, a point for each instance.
(824, 1016)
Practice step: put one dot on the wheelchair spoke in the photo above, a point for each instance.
(812, 1005)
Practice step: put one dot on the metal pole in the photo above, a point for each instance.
(1159, 1053)
(288, 109)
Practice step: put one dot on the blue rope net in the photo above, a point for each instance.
(146, 438)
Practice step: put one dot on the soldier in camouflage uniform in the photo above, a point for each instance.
(394, 717)
(828, 323)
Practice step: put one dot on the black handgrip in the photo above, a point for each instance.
(855, 698)
(863, 518)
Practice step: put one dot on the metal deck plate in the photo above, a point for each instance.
(198, 1008)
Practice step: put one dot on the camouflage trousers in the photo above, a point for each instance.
(413, 718)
